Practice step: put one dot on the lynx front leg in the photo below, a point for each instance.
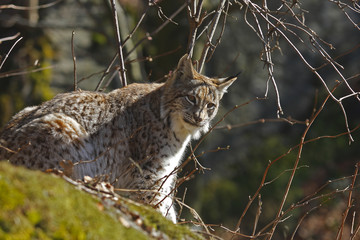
(156, 193)
(161, 199)
(165, 205)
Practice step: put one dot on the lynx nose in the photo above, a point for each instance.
(198, 118)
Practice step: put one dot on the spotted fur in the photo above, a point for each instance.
(134, 136)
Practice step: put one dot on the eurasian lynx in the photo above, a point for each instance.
(135, 136)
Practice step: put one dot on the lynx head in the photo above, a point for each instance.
(192, 99)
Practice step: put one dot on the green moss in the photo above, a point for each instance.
(156, 221)
(34, 205)
(9, 198)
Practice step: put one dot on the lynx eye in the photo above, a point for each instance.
(210, 105)
(191, 99)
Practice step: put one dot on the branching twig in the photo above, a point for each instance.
(268, 18)
(148, 36)
(195, 20)
(302, 142)
(196, 216)
(213, 27)
(349, 204)
(279, 213)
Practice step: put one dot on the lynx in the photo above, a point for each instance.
(134, 136)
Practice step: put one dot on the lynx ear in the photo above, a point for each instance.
(185, 68)
(224, 83)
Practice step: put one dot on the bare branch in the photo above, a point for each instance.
(9, 38)
(122, 70)
(24, 8)
(8, 53)
(195, 20)
(74, 60)
(22, 72)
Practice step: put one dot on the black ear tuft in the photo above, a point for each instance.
(224, 83)
(234, 76)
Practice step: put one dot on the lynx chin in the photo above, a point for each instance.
(134, 136)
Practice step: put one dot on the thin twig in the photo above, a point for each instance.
(288, 120)
(4, 39)
(8, 53)
(22, 72)
(106, 72)
(302, 219)
(24, 8)
(136, 26)
(74, 60)
(196, 216)
(183, 201)
(258, 213)
(357, 229)
(122, 70)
